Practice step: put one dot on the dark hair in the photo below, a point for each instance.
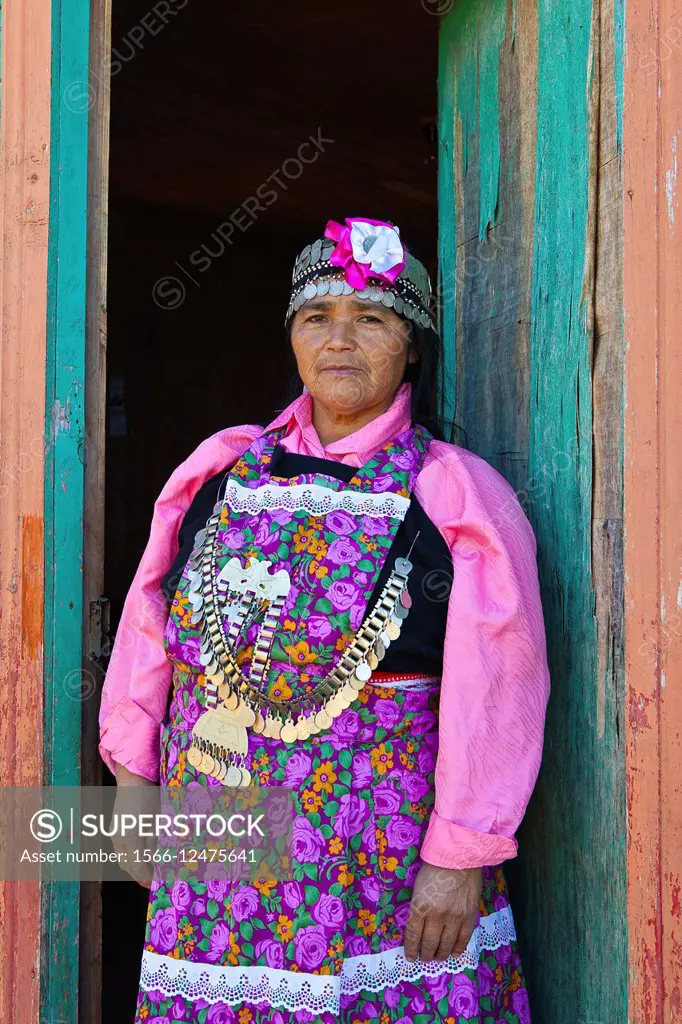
(426, 375)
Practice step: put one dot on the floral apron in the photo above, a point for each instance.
(324, 945)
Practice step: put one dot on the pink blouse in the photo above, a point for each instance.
(495, 682)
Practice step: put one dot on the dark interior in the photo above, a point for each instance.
(209, 106)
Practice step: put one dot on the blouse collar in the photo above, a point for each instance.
(362, 443)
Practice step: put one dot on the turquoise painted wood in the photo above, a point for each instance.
(64, 443)
(581, 803)
(468, 85)
(514, 188)
(619, 44)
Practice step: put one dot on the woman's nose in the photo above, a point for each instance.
(341, 335)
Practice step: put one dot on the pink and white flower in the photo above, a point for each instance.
(366, 248)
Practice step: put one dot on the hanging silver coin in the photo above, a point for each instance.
(403, 566)
(363, 671)
(392, 629)
(336, 287)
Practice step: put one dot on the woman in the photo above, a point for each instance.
(393, 672)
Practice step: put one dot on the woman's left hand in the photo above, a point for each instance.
(443, 912)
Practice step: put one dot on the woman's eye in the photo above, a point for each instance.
(369, 318)
(315, 318)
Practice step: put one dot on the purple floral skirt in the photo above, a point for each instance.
(326, 944)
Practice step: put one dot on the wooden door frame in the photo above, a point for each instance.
(50, 222)
(654, 725)
(24, 215)
(651, 100)
(53, 374)
(65, 345)
(99, 93)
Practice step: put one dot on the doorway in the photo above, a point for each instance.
(236, 132)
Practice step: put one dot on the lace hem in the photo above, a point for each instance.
(317, 993)
(315, 500)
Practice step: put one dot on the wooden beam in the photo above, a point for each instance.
(24, 205)
(90, 1004)
(652, 100)
(65, 449)
(538, 323)
(580, 800)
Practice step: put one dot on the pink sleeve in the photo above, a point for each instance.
(138, 679)
(495, 683)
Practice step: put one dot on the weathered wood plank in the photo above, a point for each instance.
(538, 380)
(64, 444)
(90, 951)
(653, 483)
(580, 793)
(24, 203)
(607, 383)
(491, 298)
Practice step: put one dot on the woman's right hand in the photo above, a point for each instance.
(130, 847)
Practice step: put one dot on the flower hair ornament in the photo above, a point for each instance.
(366, 257)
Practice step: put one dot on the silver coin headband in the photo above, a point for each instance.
(409, 294)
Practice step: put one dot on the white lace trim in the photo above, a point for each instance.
(317, 993)
(315, 500)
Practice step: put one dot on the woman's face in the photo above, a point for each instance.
(351, 352)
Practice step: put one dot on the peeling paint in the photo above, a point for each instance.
(639, 720)
(61, 418)
(676, 907)
(31, 586)
(671, 181)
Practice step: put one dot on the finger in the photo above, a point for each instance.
(464, 935)
(448, 939)
(413, 934)
(431, 936)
